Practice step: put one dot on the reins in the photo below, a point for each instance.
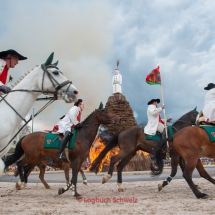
(180, 121)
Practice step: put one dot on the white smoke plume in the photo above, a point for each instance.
(79, 33)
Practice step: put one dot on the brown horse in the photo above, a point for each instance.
(32, 146)
(42, 167)
(191, 143)
(133, 139)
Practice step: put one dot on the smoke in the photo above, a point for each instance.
(80, 33)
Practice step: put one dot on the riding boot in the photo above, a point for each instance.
(64, 141)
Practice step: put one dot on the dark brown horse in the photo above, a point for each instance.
(42, 164)
(133, 139)
(191, 143)
(32, 146)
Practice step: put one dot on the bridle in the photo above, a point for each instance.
(54, 82)
(56, 85)
(188, 122)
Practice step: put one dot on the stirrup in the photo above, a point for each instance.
(61, 156)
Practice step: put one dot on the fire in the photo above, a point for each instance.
(139, 152)
(96, 150)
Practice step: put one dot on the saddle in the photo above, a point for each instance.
(53, 140)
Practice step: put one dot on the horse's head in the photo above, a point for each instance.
(105, 117)
(193, 114)
(54, 82)
(189, 118)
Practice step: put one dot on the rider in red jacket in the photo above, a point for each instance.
(8, 59)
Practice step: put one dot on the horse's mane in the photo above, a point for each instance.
(88, 116)
(22, 77)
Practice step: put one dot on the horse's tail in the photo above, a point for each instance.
(10, 159)
(111, 144)
(156, 171)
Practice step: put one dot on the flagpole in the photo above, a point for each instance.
(164, 112)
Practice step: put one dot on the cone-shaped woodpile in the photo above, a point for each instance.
(118, 104)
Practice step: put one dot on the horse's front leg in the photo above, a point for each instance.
(73, 183)
(174, 167)
(74, 180)
(66, 167)
(203, 172)
(120, 167)
(113, 161)
(42, 168)
(187, 174)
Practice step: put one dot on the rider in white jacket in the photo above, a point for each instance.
(70, 121)
(209, 103)
(153, 112)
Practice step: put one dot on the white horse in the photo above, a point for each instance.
(44, 79)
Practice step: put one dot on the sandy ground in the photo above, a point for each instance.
(177, 198)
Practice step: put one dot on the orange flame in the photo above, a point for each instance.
(97, 148)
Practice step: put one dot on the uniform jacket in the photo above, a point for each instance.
(72, 118)
(153, 119)
(209, 105)
(2, 66)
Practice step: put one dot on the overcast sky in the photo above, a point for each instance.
(88, 36)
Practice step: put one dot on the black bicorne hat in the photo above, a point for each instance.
(153, 100)
(210, 86)
(3, 54)
(78, 102)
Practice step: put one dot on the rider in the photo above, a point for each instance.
(155, 123)
(8, 59)
(70, 121)
(209, 103)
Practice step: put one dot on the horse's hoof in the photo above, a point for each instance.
(61, 191)
(78, 196)
(85, 182)
(16, 173)
(197, 186)
(103, 180)
(106, 178)
(120, 189)
(203, 196)
(160, 187)
(48, 187)
(18, 187)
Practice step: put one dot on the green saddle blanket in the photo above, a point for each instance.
(52, 141)
(158, 137)
(210, 131)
